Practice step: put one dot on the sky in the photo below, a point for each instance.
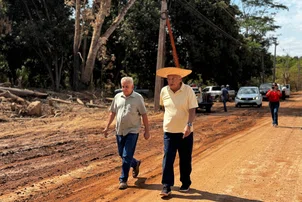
(289, 36)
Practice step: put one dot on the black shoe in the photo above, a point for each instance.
(123, 185)
(166, 191)
(135, 171)
(184, 188)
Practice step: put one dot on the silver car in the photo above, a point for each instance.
(248, 95)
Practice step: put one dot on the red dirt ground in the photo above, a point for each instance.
(66, 158)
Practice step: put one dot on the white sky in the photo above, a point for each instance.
(289, 36)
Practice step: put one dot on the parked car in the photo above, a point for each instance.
(248, 95)
(204, 102)
(215, 92)
(286, 90)
(196, 91)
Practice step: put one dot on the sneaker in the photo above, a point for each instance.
(123, 185)
(135, 171)
(166, 191)
(184, 188)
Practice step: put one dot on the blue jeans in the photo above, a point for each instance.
(274, 106)
(126, 148)
(174, 142)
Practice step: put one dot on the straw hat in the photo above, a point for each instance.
(164, 72)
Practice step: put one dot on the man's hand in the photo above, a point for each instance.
(187, 131)
(105, 131)
(147, 136)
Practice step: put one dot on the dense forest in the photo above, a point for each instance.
(80, 44)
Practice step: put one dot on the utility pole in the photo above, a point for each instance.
(274, 71)
(262, 67)
(299, 77)
(160, 53)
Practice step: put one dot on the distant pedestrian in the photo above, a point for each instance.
(128, 107)
(224, 97)
(283, 92)
(273, 96)
(180, 103)
(227, 87)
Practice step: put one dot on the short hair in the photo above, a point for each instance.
(127, 79)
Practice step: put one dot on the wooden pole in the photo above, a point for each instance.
(160, 54)
(274, 72)
(175, 57)
(299, 78)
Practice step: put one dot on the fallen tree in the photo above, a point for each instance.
(24, 92)
(15, 98)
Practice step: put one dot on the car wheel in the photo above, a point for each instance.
(259, 105)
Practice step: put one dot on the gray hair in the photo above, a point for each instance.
(127, 79)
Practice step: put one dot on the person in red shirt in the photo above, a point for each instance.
(274, 96)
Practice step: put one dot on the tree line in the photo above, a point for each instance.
(77, 44)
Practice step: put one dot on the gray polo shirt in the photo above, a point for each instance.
(128, 112)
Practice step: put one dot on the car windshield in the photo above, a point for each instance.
(248, 91)
(265, 85)
(216, 88)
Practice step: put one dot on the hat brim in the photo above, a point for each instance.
(164, 72)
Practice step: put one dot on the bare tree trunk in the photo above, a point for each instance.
(98, 41)
(58, 71)
(40, 53)
(76, 45)
(97, 27)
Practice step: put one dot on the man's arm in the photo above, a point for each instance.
(187, 130)
(146, 124)
(111, 118)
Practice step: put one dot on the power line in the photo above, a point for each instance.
(206, 20)
(228, 12)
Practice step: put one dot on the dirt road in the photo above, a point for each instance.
(238, 156)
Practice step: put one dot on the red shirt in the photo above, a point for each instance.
(273, 96)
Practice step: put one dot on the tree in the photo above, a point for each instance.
(100, 10)
(43, 28)
(76, 45)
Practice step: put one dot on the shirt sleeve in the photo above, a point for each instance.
(113, 105)
(267, 93)
(141, 107)
(192, 99)
(161, 98)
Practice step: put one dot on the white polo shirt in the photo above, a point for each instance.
(177, 107)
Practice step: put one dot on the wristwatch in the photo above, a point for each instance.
(189, 124)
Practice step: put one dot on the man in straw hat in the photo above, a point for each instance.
(128, 107)
(180, 103)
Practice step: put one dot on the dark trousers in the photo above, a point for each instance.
(224, 105)
(283, 95)
(126, 148)
(274, 106)
(174, 142)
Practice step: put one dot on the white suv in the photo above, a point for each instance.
(248, 95)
